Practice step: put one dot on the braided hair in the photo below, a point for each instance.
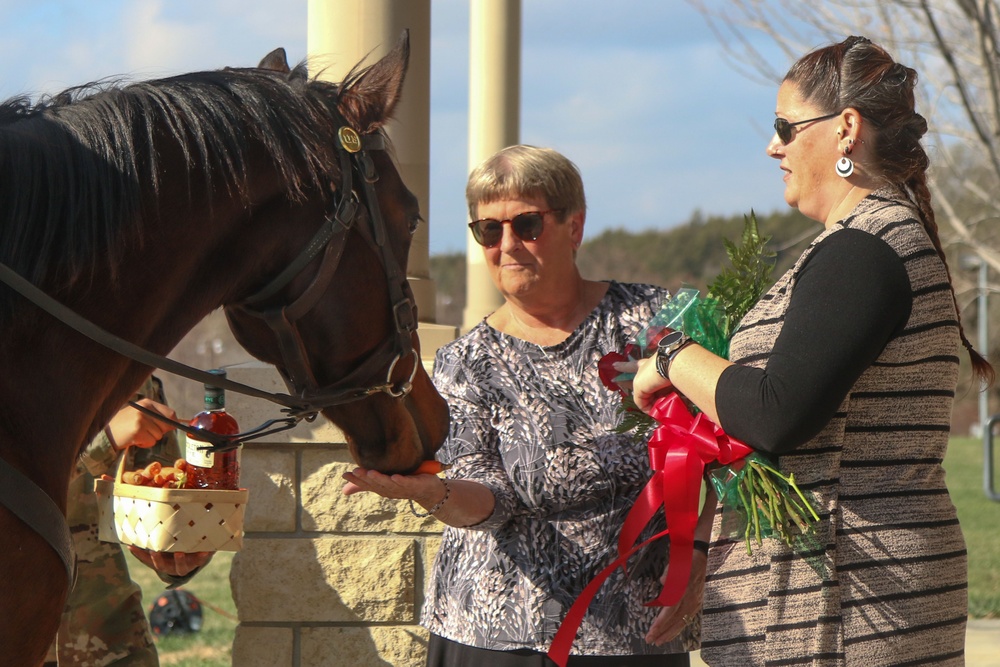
(860, 74)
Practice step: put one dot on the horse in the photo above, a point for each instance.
(141, 207)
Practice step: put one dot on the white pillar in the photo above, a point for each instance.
(494, 121)
(340, 34)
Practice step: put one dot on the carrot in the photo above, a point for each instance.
(152, 469)
(163, 480)
(431, 467)
(181, 464)
(136, 478)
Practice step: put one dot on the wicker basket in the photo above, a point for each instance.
(182, 520)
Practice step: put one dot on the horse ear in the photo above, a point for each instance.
(276, 61)
(368, 100)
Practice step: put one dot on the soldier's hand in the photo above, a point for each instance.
(175, 564)
(131, 427)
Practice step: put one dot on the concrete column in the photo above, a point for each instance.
(494, 121)
(342, 33)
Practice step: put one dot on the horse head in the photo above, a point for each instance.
(145, 207)
(339, 322)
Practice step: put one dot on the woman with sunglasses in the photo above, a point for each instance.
(844, 373)
(540, 483)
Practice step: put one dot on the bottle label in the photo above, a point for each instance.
(197, 457)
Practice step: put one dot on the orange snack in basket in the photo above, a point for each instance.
(135, 477)
(158, 475)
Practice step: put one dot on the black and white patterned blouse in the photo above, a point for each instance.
(535, 425)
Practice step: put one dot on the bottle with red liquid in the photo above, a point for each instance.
(207, 469)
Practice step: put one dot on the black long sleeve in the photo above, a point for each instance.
(850, 297)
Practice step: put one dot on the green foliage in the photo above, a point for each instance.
(634, 420)
(979, 517)
(739, 286)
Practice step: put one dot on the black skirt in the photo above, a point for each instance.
(443, 652)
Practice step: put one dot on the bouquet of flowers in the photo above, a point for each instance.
(683, 443)
(765, 501)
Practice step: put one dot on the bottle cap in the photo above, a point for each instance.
(215, 397)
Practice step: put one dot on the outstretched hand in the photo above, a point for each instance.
(423, 488)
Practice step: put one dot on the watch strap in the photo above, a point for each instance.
(665, 355)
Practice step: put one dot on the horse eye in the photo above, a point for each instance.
(415, 222)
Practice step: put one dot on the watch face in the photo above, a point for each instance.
(671, 338)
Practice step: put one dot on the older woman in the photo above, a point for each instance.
(845, 372)
(540, 483)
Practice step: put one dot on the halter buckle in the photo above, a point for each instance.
(403, 313)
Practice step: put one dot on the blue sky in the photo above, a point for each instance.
(638, 93)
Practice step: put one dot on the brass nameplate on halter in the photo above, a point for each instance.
(349, 139)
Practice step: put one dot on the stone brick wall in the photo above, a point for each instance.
(322, 579)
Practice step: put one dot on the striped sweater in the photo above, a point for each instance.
(887, 583)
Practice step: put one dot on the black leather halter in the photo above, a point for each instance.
(26, 500)
(331, 240)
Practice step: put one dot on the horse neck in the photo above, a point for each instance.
(59, 388)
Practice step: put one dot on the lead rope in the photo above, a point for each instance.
(218, 442)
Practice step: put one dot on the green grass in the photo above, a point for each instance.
(212, 646)
(980, 519)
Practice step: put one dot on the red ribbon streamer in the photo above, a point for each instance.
(679, 450)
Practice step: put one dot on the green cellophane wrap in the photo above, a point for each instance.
(700, 318)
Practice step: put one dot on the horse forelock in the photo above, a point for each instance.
(77, 172)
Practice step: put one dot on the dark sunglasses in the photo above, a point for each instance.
(526, 226)
(784, 129)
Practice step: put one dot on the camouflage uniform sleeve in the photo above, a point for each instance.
(99, 456)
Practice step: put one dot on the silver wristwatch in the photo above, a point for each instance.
(667, 348)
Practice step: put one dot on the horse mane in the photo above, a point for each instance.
(77, 172)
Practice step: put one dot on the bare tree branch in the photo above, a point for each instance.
(955, 47)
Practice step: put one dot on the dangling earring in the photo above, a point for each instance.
(845, 165)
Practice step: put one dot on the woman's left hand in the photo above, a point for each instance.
(671, 621)
(423, 488)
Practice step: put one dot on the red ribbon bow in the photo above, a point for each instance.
(679, 449)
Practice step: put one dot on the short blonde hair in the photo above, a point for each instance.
(526, 171)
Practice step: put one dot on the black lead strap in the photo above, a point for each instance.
(219, 442)
(294, 406)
